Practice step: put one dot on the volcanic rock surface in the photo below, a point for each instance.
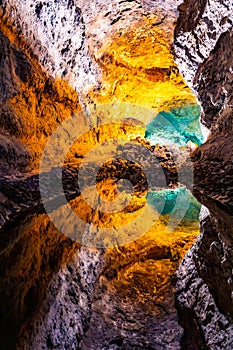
(58, 57)
(204, 287)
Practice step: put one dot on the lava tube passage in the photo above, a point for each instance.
(97, 140)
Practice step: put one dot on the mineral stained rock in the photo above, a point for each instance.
(204, 287)
(59, 57)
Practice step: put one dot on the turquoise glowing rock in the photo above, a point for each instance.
(178, 126)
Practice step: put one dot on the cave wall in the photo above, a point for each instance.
(34, 101)
(48, 280)
(32, 105)
(204, 286)
(59, 56)
(199, 27)
(42, 271)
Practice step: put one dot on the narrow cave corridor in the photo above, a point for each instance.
(103, 169)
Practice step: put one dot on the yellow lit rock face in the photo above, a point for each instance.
(138, 68)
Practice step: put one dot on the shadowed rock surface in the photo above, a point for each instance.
(204, 287)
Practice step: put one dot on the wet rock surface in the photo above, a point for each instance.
(22, 194)
(43, 281)
(203, 291)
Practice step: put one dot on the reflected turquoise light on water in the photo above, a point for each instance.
(176, 127)
(165, 202)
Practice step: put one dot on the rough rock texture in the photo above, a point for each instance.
(42, 270)
(57, 30)
(32, 106)
(46, 269)
(204, 290)
(200, 25)
(63, 34)
(45, 277)
(52, 289)
(204, 286)
(127, 313)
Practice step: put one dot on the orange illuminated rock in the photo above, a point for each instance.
(138, 67)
